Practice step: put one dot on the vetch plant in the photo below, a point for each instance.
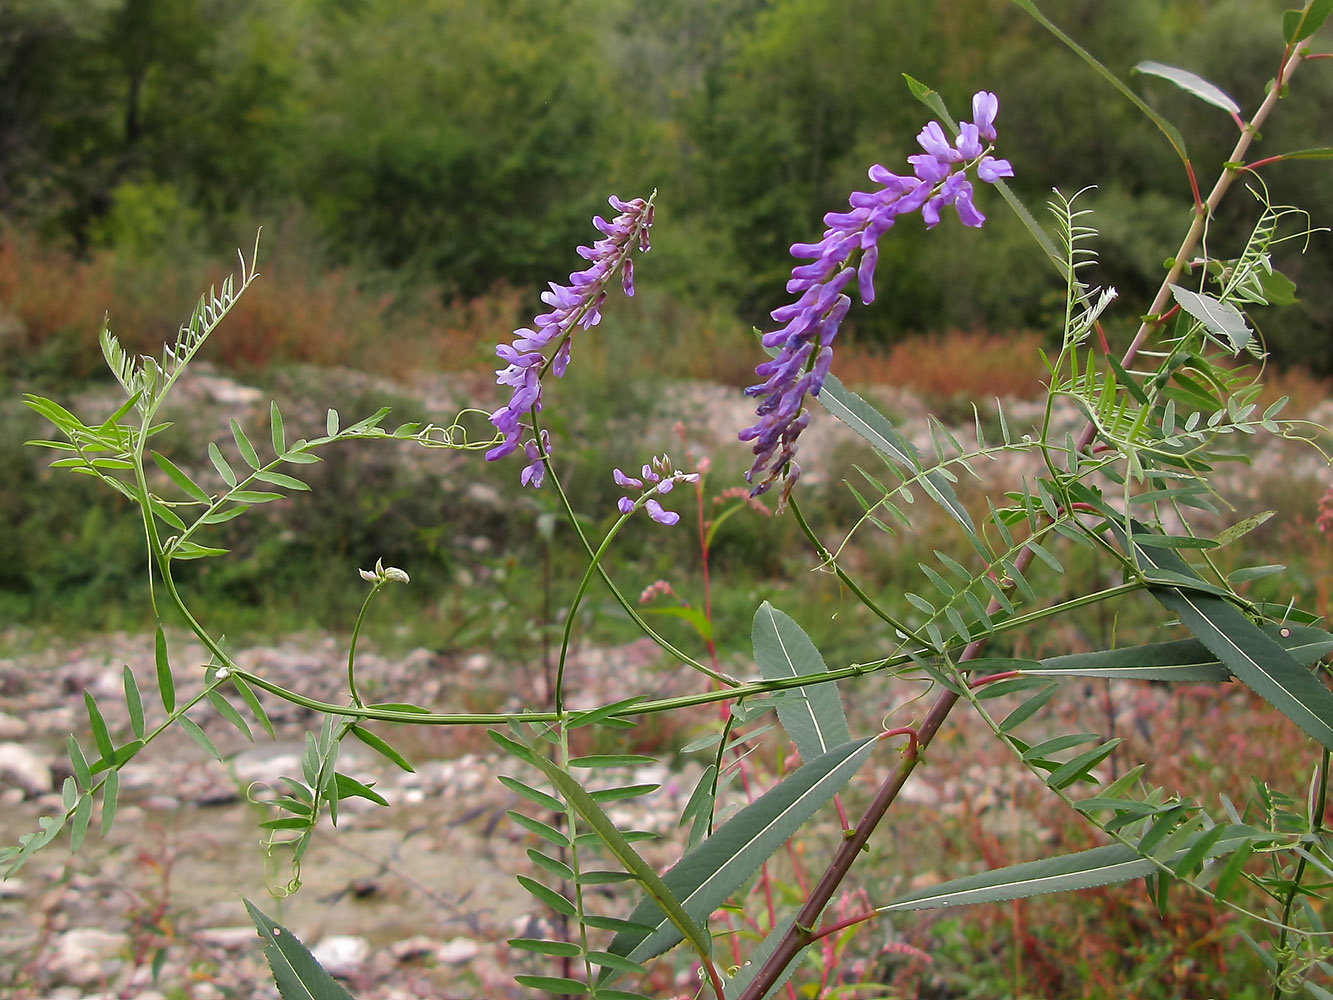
(1126, 489)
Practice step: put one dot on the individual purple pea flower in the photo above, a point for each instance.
(574, 306)
(535, 471)
(808, 326)
(660, 478)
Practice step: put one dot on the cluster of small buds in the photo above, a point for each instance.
(573, 306)
(939, 178)
(1324, 522)
(654, 590)
(661, 478)
(384, 574)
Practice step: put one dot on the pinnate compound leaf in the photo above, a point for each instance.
(243, 445)
(705, 877)
(184, 482)
(1028, 709)
(1220, 318)
(101, 735)
(815, 722)
(193, 731)
(348, 787)
(872, 425)
(295, 972)
(78, 762)
(1191, 83)
(222, 466)
(382, 748)
(193, 550)
(252, 702)
(228, 711)
(133, 703)
(78, 824)
(279, 439)
(278, 479)
(657, 893)
(166, 686)
(561, 949)
(1077, 768)
(537, 797)
(548, 896)
(558, 985)
(110, 800)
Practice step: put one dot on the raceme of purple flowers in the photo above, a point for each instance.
(939, 178)
(661, 478)
(572, 306)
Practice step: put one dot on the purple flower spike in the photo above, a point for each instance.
(808, 325)
(573, 306)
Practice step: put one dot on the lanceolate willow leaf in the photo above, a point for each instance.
(1081, 870)
(815, 721)
(704, 878)
(736, 985)
(1191, 83)
(295, 971)
(1255, 659)
(872, 425)
(1186, 660)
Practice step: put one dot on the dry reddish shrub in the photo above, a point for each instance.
(974, 364)
(53, 300)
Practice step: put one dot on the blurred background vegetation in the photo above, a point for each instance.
(420, 169)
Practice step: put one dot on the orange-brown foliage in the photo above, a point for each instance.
(52, 298)
(974, 365)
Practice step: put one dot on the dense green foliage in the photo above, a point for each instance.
(465, 144)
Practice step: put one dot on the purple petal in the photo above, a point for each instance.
(623, 480)
(659, 515)
(532, 475)
(625, 505)
(968, 142)
(991, 170)
(865, 275)
(984, 107)
(933, 140)
(928, 168)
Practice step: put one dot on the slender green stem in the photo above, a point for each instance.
(741, 690)
(351, 648)
(1316, 821)
(827, 557)
(566, 635)
(621, 599)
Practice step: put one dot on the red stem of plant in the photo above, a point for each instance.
(802, 930)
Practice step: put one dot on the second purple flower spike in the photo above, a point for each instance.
(850, 249)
